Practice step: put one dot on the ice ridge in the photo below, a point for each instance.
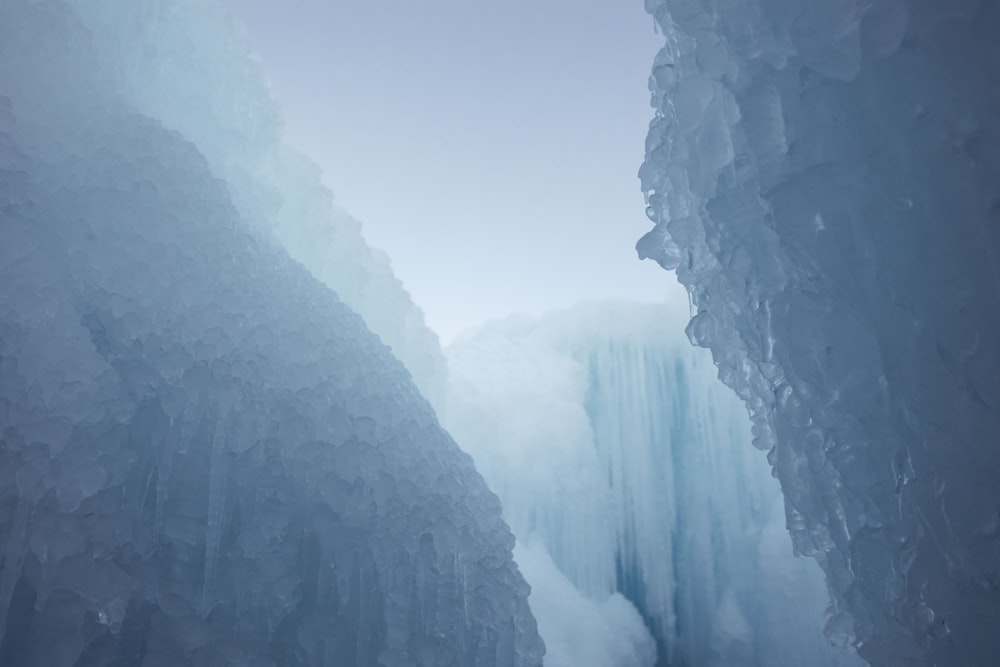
(206, 458)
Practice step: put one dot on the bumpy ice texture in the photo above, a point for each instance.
(616, 451)
(205, 456)
(184, 63)
(824, 176)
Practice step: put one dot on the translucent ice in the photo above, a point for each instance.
(187, 65)
(206, 458)
(843, 262)
(616, 451)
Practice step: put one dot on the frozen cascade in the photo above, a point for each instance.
(825, 178)
(187, 65)
(626, 469)
(206, 458)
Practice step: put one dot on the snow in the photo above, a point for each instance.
(579, 631)
(842, 262)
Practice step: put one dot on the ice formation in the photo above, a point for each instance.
(185, 64)
(206, 457)
(824, 176)
(580, 631)
(618, 454)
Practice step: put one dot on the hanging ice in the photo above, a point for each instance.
(205, 456)
(825, 178)
(614, 449)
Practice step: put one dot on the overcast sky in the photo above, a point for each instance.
(490, 147)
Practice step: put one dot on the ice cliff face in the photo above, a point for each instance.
(206, 458)
(185, 64)
(616, 451)
(825, 178)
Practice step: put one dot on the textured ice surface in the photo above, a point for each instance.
(616, 451)
(825, 178)
(185, 64)
(205, 456)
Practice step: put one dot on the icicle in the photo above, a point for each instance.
(667, 447)
(13, 559)
(216, 509)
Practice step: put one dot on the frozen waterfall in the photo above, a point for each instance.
(825, 178)
(185, 64)
(219, 409)
(616, 451)
(206, 457)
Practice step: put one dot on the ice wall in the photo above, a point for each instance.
(185, 63)
(205, 456)
(823, 176)
(616, 451)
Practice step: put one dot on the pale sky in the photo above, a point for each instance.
(490, 147)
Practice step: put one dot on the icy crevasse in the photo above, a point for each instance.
(825, 179)
(615, 450)
(205, 456)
